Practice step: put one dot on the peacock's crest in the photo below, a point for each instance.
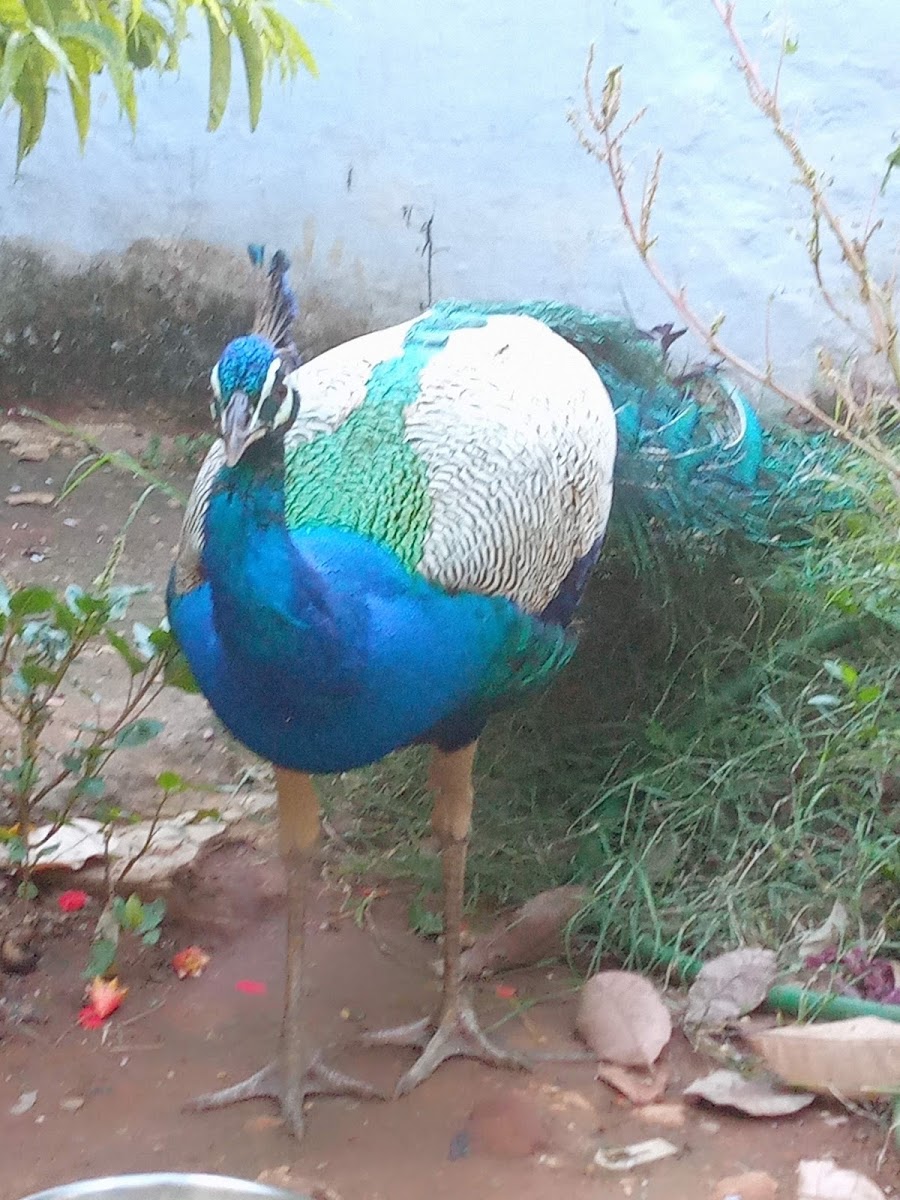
(244, 366)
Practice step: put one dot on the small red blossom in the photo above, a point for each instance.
(72, 901)
(251, 987)
(89, 1018)
(189, 963)
(106, 995)
(505, 991)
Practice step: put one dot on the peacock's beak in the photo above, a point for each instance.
(237, 427)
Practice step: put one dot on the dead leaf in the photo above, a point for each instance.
(823, 1180)
(623, 1019)
(729, 986)
(637, 1085)
(176, 842)
(752, 1185)
(850, 1059)
(830, 933)
(534, 932)
(18, 498)
(756, 1097)
(626, 1158)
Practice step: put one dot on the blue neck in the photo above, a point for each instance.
(265, 594)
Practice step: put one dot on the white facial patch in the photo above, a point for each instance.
(266, 389)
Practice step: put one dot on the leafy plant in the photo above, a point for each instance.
(125, 916)
(43, 635)
(76, 40)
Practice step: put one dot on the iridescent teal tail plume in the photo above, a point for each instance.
(693, 457)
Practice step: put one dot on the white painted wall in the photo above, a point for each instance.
(458, 109)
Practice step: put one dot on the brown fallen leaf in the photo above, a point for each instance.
(637, 1085)
(41, 498)
(533, 932)
(823, 1180)
(755, 1097)
(729, 986)
(623, 1019)
(850, 1059)
(752, 1185)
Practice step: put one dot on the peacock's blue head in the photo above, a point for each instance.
(253, 396)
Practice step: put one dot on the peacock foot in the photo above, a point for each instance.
(270, 1084)
(457, 1034)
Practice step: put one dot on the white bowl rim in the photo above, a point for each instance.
(227, 1185)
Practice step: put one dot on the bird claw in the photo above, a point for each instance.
(268, 1084)
(457, 1035)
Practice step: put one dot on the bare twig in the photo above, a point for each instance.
(607, 147)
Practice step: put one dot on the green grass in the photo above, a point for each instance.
(710, 766)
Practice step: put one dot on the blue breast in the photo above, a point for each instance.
(321, 652)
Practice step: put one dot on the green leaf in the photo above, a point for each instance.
(169, 781)
(151, 937)
(219, 69)
(103, 955)
(178, 674)
(55, 50)
(27, 890)
(137, 733)
(893, 160)
(17, 850)
(868, 694)
(254, 61)
(133, 661)
(15, 53)
(151, 917)
(92, 788)
(30, 600)
(13, 14)
(34, 674)
(31, 93)
(132, 912)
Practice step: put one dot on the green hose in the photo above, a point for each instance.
(787, 998)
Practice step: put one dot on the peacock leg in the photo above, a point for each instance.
(455, 1032)
(299, 1071)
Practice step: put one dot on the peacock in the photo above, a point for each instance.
(387, 545)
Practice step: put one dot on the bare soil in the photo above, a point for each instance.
(111, 1100)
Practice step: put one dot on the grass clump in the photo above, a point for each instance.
(717, 765)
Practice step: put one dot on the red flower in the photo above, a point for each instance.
(505, 991)
(190, 962)
(251, 987)
(89, 1018)
(72, 901)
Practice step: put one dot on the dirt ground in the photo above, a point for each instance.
(110, 1100)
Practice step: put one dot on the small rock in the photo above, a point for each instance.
(752, 1185)
(24, 1104)
(71, 1103)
